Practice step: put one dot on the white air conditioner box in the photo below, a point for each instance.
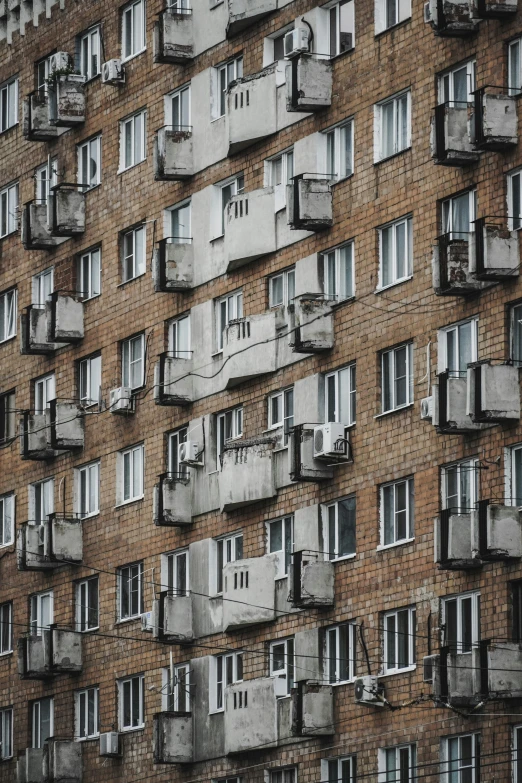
(113, 72)
(330, 441)
(59, 61)
(366, 691)
(121, 400)
(188, 453)
(426, 409)
(110, 744)
(296, 42)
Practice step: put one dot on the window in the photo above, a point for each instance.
(180, 224)
(87, 604)
(132, 140)
(226, 670)
(392, 126)
(43, 286)
(399, 640)
(89, 274)
(274, 46)
(515, 67)
(516, 334)
(397, 377)
(460, 486)
(133, 362)
(8, 315)
(6, 733)
(43, 721)
(132, 697)
(516, 613)
(457, 85)
(42, 500)
(176, 688)
(397, 512)
(8, 209)
(45, 177)
(517, 754)
(7, 511)
(281, 288)
(133, 29)
(89, 53)
(225, 191)
(178, 572)
(89, 163)
(41, 74)
(175, 439)
(458, 347)
(177, 109)
(87, 713)
(341, 652)
(41, 612)
(461, 622)
(44, 392)
(281, 412)
(7, 417)
(282, 665)
(280, 170)
(286, 775)
(515, 493)
(341, 27)
(90, 380)
(339, 150)
(88, 489)
(179, 337)
(229, 427)
(228, 308)
(130, 579)
(388, 13)
(339, 272)
(341, 528)
(460, 759)
(131, 474)
(133, 251)
(281, 540)
(6, 630)
(398, 764)
(458, 214)
(226, 74)
(8, 104)
(340, 396)
(228, 550)
(395, 252)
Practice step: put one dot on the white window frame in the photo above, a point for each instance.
(284, 401)
(89, 380)
(41, 494)
(35, 611)
(455, 330)
(269, 53)
(6, 620)
(468, 467)
(84, 695)
(7, 417)
(9, 204)
(89, 52)
(138, 146)
(330, 512)
(334, 19)
(282, 775)
(132, 248)
(127, 361)
(380, 153)
(392, 352)
(219, 205)
(174, 440)
(176, 686)
(182, 235)
(459, 598)
(407, 263)
(44, 392)
(132, 460)
(287, 277)
(7, 519)
(233, 420)
(409, 489)
(329, 775)
(9, 104)
(444, 754)
(396, 752)
(514, 221)
(446, 83)
(515, 344)
(225, 669)
(231, 548)
(333, 652)
(403, 13)
(45, 178)
(515, 64)
(336, 165)
(287, 673)
(138, 43)
(36, 733)
(516, 744)
(127, 574)
(122, 683)
(337, 379)
(90, 154)
(447, 214)
(42, 287)
(89, 271)
(287, 533)
(179, 93)
(223, 75)
(84, 610)
(172, 577)
(394, 667)
(233, 309)
(87, 484)
(6, 733)
(176, 344)
(8, 314)
(335, 262)
(285, 162)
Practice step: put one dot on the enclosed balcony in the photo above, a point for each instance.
(173, 153)
(252, 109)
(172, 618)
(36, 234)
(495, 253)
(34, 331)
(496, 531)
(245, 13)
(451, 405)
(249, 591)
(308, 83)
(172, 738)
(173, 385)
(494, 9)
(67, 100)
(311, 580)
(453, 18)
(67, 210)
(302, 464)
(56, 542)
(173, 500)
(45, 435)
(36, 122)
(247, 473)
(56, 651)
(493, 393)
(456, 676)
(173, 34)
(452, 274)
(309, 202)
(495, 120)
(173, 264)
(58, 761)
(450, 135)
(312, 710)
(250, 347)
(250, 227)
(311, 324)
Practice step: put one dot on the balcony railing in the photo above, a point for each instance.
(453, 18)
(309, 202)
(496, 255)
(308, 83)
(493, 392)
(172, 738)
(247, 473)
(450, 140)
(173, 384)
(250, 227)
(311, 580)
(173, 267)
(173, 153)
(173, 500)
(495, 119)
(174, 35)
(66, 100)
(52, 652)
(36, 123)
(67, 202)
(452, 273)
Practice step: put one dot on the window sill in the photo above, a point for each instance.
(216, 353)
(90, 298)
(215, 239)
(342, 682)
(403, 542)
(88, 739)
(97, 628)
(91, 79)
(132, 57)
(393, 27)
(131, 280)
(337, 180)
(9, 234)
(6, 546)
(6, 654)
(91, 516)
(216, 119)
(129, 168)
(343, 558)
(394, 672)
(344, 301)
(133, 728)
(15, 125)
(395, 410)
(91, 187)
(391, 157)
(217, 712)
(124, 620)
(392, 285)
(129, 502)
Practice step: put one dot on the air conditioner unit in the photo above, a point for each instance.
(429, 662)
(147, 622)
(367, 691)
(427, 405)
(330, 441)
(113, 72)
(110, 744)
(427, 13)
(188, 453)
(121, 400)
(296, 42)
(59, 61)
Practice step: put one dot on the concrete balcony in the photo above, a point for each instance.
(494, 9)
(308, 84)
(495, 120)
(36, 123)
(174, 36)
(67, 100)
(496, 532)
(252, 109)
(495, 253)
(451, 407)
(172, 618)
(67, 210)
(247, 473)
(250, 347)
(312, 581)
(245, 13)
(493, 393)
(36, 234)
(311, 324)
(29, 766)
(456, 676)
(451, 267)
(173, 153)
(453, 18)
(59, 761)
(309, 203)
(172, 738)
(312, 710)
(250, 227)
(35, 439)
(56, 542)
(453, 540)
(503, 664)
(45, 435)
(173, 265)
(249, 591)
(450, 135)
(34, 330)
(64, 319)
(302, 465)
(172, 383)
(54, 652)
(173, 500)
